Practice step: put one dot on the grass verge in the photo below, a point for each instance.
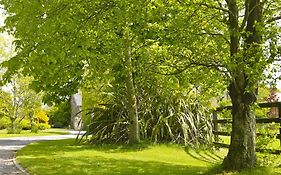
(24, 133)
(66, 157)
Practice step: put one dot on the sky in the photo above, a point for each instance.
(279, 85)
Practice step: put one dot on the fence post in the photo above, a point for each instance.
(279, 116)
(216, 126)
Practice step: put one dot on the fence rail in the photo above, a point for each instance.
(217, 121)
(262, 105)
(258, 120)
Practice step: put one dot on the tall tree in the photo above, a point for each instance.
(74, 40)
(243, 86)
(234, 37)
(246, 26)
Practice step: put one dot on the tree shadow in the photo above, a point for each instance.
(65, 159)
(206, 156)
(216, 169)
(120, 148)
(70, 145)
(258, 170)
(106, 166)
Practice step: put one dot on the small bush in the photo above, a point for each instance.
(43, 126)
(34, 130)
(60, 115)
(41, 120)
(14, 131)
(41, 117)
(25, 124)
(4, 122)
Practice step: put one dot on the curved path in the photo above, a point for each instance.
(9, 146)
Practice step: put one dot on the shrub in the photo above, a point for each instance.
(169, 120)
(25, 124)
(43, 126)
(14, 131)
(34, 129)
(60, 115)
(41, 120)
(4, 122)
(41, 117)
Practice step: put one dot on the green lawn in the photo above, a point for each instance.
(52, 131)
(67, 158)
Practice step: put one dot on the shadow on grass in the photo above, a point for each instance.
(69, 158)
(258, 170)
(205, 156)
(105, 166)
(70, 145)
(63, 157)
(120, 148)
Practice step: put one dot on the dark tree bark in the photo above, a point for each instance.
(241, 153)
(242, 89)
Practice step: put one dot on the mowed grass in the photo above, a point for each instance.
(65, 157)
(24, 133)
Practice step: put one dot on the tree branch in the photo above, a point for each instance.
(192, 65)
(213, 7)
(206, 5)
(274, 19)
(215, 34)
(246, 16)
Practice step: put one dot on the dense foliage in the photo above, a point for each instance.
(170, 116)
(60, 115)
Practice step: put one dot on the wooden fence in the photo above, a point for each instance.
(217, 122)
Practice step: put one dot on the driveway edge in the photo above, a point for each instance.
(18, 165)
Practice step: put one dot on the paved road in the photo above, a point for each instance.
(9, 146)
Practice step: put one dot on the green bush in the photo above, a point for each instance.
(34, 130)
(60, 115)
(4, 122)
(164, 120)
(43, 126)
(25, 124)
(14, 131)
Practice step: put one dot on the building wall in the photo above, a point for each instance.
(76, 114)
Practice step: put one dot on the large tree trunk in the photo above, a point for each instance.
(134, 134)
(132, 111)
(241, 153)
(243, 86)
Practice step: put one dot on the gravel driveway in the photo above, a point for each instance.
(9, 146)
